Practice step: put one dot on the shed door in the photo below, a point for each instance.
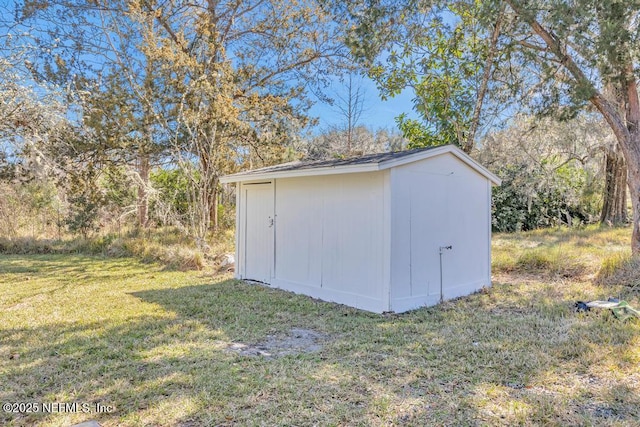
(430, 217)
(259, 232)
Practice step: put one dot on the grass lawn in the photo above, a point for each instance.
(156, 347)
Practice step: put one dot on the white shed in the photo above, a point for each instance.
(384, 232)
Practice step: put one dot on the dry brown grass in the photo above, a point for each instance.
(620, 270)
(568, 252)
(166, 246)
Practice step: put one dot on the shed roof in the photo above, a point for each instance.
(366, 163)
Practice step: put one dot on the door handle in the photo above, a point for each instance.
(270, 222)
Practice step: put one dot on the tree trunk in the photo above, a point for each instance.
(213, 209)
(626, 127)
(621, 192)
(143, 196)
(633, 180)
(632, 154)
(614, 207)
(627, 131)
(468, 144)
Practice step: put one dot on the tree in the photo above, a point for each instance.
(89, 48)
(237, 71)
(30, 111)
(85, 201)
(592, 45)
(557, 57)
(551, 171)
(614, 204)
(614, 207)
(447, 62)
(339, 142)
(349, 138)
(215, 86)
(123, 132)
(350, 104)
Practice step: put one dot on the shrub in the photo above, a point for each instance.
(26, 245)
(170, 204)
(530, 199)
(85, 200)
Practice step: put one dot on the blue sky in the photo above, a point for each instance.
(376, 114)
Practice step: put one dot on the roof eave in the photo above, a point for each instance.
(464, 157)
(333, 170)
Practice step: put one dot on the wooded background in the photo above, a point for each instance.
(118, 117)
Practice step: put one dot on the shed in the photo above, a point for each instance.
(383, 232)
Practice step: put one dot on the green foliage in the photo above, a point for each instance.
(551, 172)
(119, 191)
(85, 200)
(226, 216)
(530, 199)
(171, 200)
(419, 135)
(437, 51)
(443, 85)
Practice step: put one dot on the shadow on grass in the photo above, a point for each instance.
(62, 267)
(53, 264)
(498, 357)
(250, 312)
(427, 366)
(92, 363)
(175, 362)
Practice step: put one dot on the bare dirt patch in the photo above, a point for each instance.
(298, 341)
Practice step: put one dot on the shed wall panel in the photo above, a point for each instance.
(299, 230)
(329, 235)
(438, 202)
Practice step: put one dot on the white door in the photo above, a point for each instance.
(259, 232)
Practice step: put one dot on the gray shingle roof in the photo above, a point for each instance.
(367, 163)
(314, 164)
